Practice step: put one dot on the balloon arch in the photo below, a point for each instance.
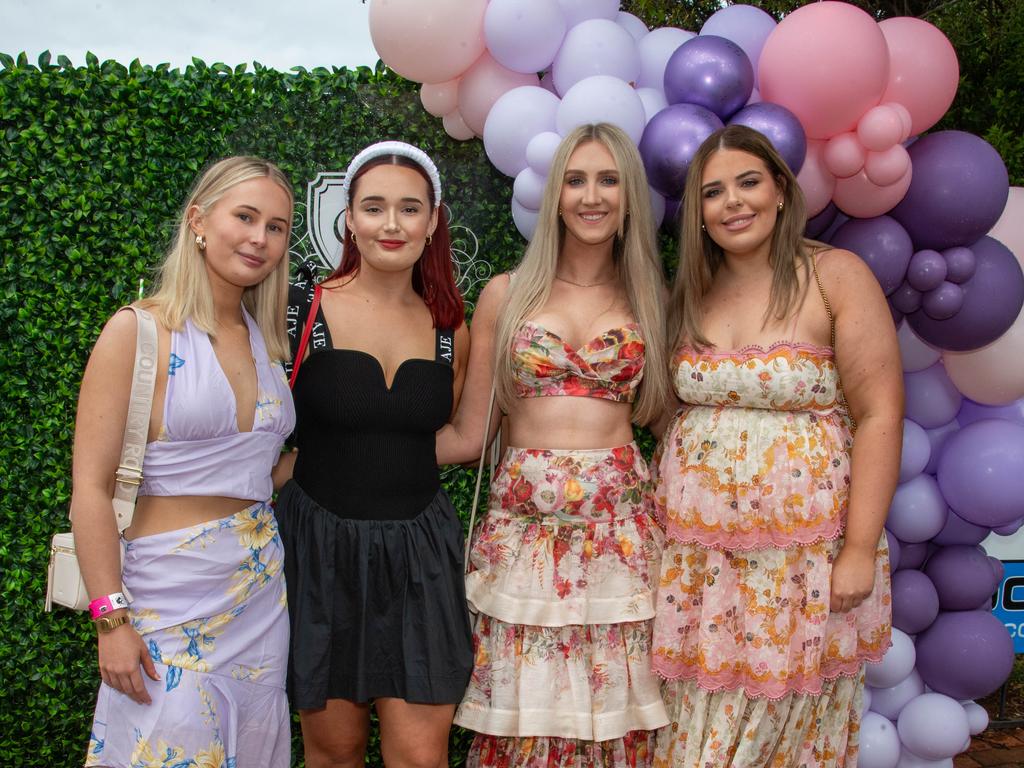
(845, 100)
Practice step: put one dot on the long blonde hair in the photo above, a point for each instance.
(635, 252)
(183, 288)
(700, 256)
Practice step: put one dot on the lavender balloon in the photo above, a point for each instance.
(958, 191)
(971, 412)
(712, 72)
(894, 546)
(889, 702)
(1009, 529)
(960, 264)
(962, 577)
(896, 664)
(915, 603)
(965, 654)
(745, 25)
(782, 128)
(981, 472)
(879, 742)
(670, 141)
(916, 451)
(918, 510)
(932, 399)
(938, 436)
(927, 270)
(959, 531)
(882, 243)
(992, 300)
(933, 726)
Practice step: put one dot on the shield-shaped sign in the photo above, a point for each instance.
(325, 207)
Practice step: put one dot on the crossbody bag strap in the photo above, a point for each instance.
(307, 328)
(128, 477)
(832, 341)
(479, 477)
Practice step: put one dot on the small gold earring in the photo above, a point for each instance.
(430, 239)
(560, 211)
(201, 242)
(703, 227)
(780, 205)
(353, 234)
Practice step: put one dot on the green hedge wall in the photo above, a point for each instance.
(94, 162)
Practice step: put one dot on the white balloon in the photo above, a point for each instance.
(631, 24)
(515, 118)
(525, 220)
(655, 49)
(595, 47)
(528, 189)
(524, 35)
(889, 702)
(456, 127)
(541, 151)
(602, 99)
(977, 717)
(580, 10)
(915, 354)
(994, 374)
(879, 743)
(653, 100)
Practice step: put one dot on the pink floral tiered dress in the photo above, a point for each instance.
(752, 485)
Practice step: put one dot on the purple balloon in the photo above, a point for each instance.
(960, 264)
(670, 141)
(943, 302)
(782, 128)
(959, 531)
(931, 398)
(971, 412)
(915, 604)
(884, 246)
(916, 451)
(992, 299)
(958, 192)
(937, 437)
(897, 316)
(712, 72)
(927, 270)
(998, 570)
(912, 555)
(1009, 529)
(816, 225)
(905, 299)
(918, 510)
(981, 472)
(889, 702)
(962, 576)
(965, 654)
(745, 25)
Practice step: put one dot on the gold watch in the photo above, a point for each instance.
(106, 624)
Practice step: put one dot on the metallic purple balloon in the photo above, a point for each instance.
(670, 141)
(915, 603)
(958, 192)
(992, 300)
(960, 264)
(710, 71)
(927, 270)
(883, 244)
(782, 128)
(943, 301)
(981, 472)
(816, 225)
(965, 654)
(962, 576)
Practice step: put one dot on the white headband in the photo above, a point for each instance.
(402, 149)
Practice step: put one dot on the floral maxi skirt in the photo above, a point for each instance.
(209, 602)
(562, 583)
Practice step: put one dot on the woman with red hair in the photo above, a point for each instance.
(373, 545)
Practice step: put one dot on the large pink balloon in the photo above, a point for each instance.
(994, 374)
(428, 42)
(814, 178)
(861, 198)
(828, 64)
(485, 83)
(923, 70)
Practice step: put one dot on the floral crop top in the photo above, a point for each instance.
(609, 366)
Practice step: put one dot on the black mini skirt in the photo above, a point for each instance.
(377, 607)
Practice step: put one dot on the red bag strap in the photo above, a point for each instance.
(307, 328)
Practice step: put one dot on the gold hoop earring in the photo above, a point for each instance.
(201, 242)
(430, 239)
(353, 235)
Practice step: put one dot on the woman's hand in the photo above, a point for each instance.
(853, 578)
(121, 651)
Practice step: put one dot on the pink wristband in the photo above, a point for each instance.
(104, 605)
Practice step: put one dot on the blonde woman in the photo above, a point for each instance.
(564, 563)
(774, 583)
(193, 668)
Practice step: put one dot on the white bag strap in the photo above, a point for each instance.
(136, 429)
(479, 477)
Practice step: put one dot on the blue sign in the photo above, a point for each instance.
(1009, 602)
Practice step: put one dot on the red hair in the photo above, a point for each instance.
(433, 276)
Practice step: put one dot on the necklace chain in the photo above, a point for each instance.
(586, 285)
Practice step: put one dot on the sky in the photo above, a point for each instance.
(280, 34)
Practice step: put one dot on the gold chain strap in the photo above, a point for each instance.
(832, 341)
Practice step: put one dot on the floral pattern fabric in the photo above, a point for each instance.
(209, 602)
(609, 366)
(563, 579)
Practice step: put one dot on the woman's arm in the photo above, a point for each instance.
(462, 352)
(460, 441)
(868, 358)
(99, 432)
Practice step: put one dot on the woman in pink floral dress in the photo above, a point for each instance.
(565, 562)
(774, 583)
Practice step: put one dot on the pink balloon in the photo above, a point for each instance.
(485, 83)
(1009, 230)
(828, 64)
(888, 167)
(880, 128)
(994, 374)
(844, 155)
(817, 183)
(857, 196)
(923, 70)
(905, 118)
(440, 98)
(456, 127)
(428, 42)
